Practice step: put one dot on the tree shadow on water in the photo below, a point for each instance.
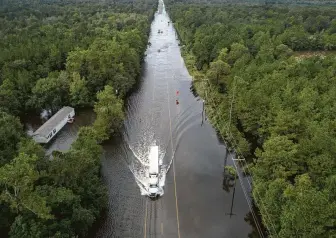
(228, 181)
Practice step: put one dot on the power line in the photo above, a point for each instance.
(248, 201)
(229, 134)
(250, 184)
(236, 150)
(243, 158)
(238, 173)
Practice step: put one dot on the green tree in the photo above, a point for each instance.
(79, 52)
(283, 111)
(79, 94)
(283, 51)
(269, 196)
(278, 159)
(11, 132)
(52, 92)
(307, 212)
(27, 227)
(9, 100)
(237, 50)
(18, 178)
(218, 71)
(109, 113)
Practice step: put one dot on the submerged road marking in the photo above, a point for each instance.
(172, 146)
(145, 233)
(161, 228)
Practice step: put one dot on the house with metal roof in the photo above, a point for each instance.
(51, 127)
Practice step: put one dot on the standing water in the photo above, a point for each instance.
(196, 199)
(149, 119)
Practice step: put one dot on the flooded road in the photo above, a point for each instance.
(194, 203)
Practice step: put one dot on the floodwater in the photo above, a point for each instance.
(64, 138)
(195, 201)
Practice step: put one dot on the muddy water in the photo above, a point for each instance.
(194, 203)
(64, 138)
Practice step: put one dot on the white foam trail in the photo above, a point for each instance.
(142, 130)
(140, 166)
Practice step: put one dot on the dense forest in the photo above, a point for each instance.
(268, 75)
(261, 2)
(57, 53)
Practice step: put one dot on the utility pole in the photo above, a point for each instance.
(203, 112)
(226, 157)
(203, 102)
(235, 176)
(233, 195)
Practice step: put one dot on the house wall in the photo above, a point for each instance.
(58, 128)
(55, 130)
(40, 139)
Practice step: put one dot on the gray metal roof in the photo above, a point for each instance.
(47, 127)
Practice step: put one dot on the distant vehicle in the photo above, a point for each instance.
(153, 173)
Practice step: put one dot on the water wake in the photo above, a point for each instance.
(139, 166)
(143, 130)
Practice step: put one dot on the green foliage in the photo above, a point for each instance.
(64, 196)
(231, 170)
(109, 113)
(277, 67)
(79, 93)
(106, 62)
(10, 134)
(31, 148)
(218, 70)
(73, 187)
(308, 211)
(15, 89)
(278, 159)
(55, 53)
(103, 43)
(19, 177)
(26, 228)
(51, 92)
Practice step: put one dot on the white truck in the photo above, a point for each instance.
(153, 172)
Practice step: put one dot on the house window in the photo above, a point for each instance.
(49, 135)
(54, 131)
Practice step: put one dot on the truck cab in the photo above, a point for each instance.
(153, 175)
(153, 188)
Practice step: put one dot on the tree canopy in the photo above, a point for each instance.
(276, 65)
(57, 53)
(81, 48)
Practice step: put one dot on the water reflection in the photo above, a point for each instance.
(205, 209)
(67, 135)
